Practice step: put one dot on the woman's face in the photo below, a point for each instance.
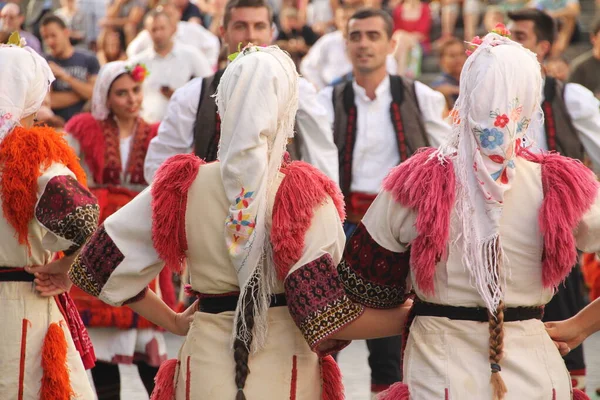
(112, 46)
(125, 97)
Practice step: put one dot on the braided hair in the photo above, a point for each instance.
(496, 348)
(241, 350)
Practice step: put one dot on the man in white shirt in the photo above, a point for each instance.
(378, 120)
(187, 33)
(571, 126)
(191, 122)
(171, 65)
(327, 60)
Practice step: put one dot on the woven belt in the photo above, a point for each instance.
(10, 274)
(478, 314)
(216, 305)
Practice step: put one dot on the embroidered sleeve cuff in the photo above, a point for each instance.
(68, 210)
(319, 305)
(372, 275)
(96, 262)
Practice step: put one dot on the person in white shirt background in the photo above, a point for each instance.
(187, 33)
(170, 64)
(379, 141)
(327, 59)
(245, 21)
(572, 127)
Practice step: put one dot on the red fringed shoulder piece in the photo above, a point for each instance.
(24, 155)
(580, 395)
(570, 189)
(428, 187)
(301, 191)
(90, 136)
(169, 202)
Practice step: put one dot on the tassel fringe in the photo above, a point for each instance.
(56, 382)
(331, 378)
(164, 388)
(498, 386)
(579, 395)
(398, 391)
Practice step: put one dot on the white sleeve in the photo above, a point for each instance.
(211, 46)
(313, 62)
(432, 105)
(140, 43)
(587, 234)
(584, 110)
(201, 65)
(176, 131)
(325, 101)
(317, 146)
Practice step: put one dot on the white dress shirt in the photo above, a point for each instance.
(584, 109)
(176, 131)
(187, 33)
(327, 60)
(174, 70)
(376, 147)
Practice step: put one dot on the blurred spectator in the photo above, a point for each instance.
(452, 59)
(75, 70)
(319, 16)
(111, 46)
(586, 68)
(45, 115)
(171, 65)
(126, 15)
(12, 21)
(189, 11)
(187, 33)
(471, 10)
(76, 20)
(95, 11)
(412, 27)
(327, 61)
(565, 13)
(36, 10)
(294, 36)
(558, 68)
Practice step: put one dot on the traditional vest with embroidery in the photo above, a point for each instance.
(207, 127)
(405, 115)
(560, 132)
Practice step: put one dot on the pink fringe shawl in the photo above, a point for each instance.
(301, 191)
(169, 202)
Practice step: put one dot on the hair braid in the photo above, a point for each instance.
(241, 350)
(496, 326)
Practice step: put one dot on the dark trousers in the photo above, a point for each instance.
(108, 381)
(384, 354)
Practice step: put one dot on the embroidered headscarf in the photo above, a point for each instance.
(26, 79)
(257, 99)
(499, 93)
(107, 75)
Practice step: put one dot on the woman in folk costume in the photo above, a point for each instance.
(484, 232)
(46, 209)
(112, 140)
(261, 239)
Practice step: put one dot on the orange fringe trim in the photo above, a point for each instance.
(24, 155)
(56, 382)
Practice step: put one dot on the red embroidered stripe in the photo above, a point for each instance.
(446, 394)
(553, 394)
(22, 359)
(294, 382)
(550, 125)
(348, 150)
(188, 380)
(399, 128)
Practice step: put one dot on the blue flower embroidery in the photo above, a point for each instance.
(491, 138)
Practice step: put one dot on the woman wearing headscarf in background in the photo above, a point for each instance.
(112, 142)
(261, 239)
(485, 232)
(46, 209)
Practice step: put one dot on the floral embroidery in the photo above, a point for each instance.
(244, 199)
(491, 138)
(501, 121)
(240, 225)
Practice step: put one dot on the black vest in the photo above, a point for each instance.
(207, 127)
(560, 132)
(405, 115)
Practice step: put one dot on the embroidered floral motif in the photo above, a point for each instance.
(491, 138)
(244, 199)
(317, 302)
(240, 225)
(501, 121)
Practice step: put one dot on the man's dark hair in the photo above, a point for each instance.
(544, 26)
(596, 26)
(53, 19)
(365, 13)
(231, 4)
(157, 12)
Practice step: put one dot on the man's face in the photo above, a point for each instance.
(453, 59)
(55, 37)
(11, 20)
(595, 39)
(524, 32)
(173, 12)
(248, 25)
(161, 30)
(368, 44)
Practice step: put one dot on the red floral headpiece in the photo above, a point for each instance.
(138, 72)
(499, 29)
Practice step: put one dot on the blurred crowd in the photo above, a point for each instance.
(179, 39)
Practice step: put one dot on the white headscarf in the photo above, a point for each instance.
(107, 75)
(26, 79)
(499, 94)
(257, 100)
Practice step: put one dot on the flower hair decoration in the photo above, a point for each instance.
(138, 72)
(499, 29)
(15, 40)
